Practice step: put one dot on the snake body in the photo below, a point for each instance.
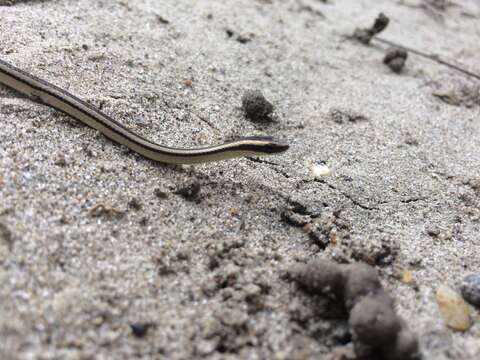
(48, 94)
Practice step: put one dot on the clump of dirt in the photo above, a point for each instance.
(256, 107)
(377, 331)
(365, 35)
(395, 59)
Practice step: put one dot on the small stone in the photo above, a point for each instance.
(453, 308)
(341, 116)
(294, 219)
(6, 235)
(381, 250)
(162, 20)
(135, 204)
(160, 193)
(227, 276)
(474, 183)
(139, 330)
(61, 161)
(252, 292)
(318, 234)
(407, 277)
(320, 170)
(380, 24)
(364, 35)
(395, 59)
(256, 107)
(205, 347)
(470, 289)
(243, 39)
(189, 190)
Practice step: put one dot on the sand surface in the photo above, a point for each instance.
(95, 238)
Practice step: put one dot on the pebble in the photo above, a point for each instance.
(395, 59)
(189, 190)
(139, 330)
(256, 107)
(453, 308)
(407, 277)
(321, 170)
(470, 289)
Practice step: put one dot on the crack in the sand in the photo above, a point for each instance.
(278, 171)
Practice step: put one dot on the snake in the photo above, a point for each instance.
(44, 92)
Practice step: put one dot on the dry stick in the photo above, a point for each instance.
(429, 56)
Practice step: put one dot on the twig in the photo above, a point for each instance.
(429, 56)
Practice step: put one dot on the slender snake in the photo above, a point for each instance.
(43, 92)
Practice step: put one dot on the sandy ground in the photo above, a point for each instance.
(207, 270)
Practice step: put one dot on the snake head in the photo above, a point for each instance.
(266, 144)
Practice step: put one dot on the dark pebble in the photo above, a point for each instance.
(341, 116)
(365, 35)
(160, 193)
(470, 289)
(319, 235)
(135, 204)
(189, 190)
(294, 219)
(139, 330)
(395, 59)
(6, 235)
(380, 24)
(61, 161)
(256, 107)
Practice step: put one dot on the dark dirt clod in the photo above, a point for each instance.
(395, 59)
(139, 330)
(380, 24)
(189, 190)
(396, 65)
(341, 116)
(160, 193)
(61, 161)
(470, 289)
(405, 347)
(381, 251)
(365, 35)
(377, 331)
(319, 235)
(362, 281)
(320, 277)
(374, 321)
(135, 204)
(256, 107)
(6, 235)
(292, 218)
(162, 20)
(474, 184)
